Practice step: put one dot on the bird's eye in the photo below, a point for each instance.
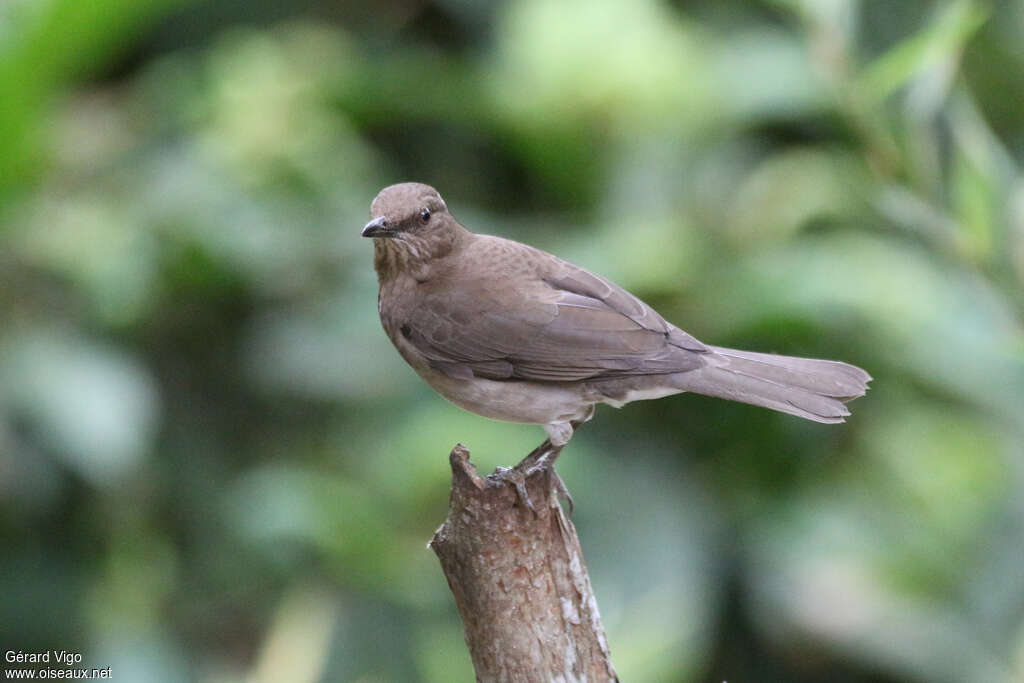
(425, 215)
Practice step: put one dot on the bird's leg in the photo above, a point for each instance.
(544, 456)
(546, 462)
(540, 458)
(516, 476)
(560, 487)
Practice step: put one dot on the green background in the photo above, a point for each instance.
(214, 467)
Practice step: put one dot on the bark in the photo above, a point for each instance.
(518, 577)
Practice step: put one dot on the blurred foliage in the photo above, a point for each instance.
(213, 467)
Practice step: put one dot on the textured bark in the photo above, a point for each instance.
(519, 579)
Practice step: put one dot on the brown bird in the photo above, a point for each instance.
(513, 333)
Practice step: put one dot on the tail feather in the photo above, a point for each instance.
(806, 387)
(826, 377)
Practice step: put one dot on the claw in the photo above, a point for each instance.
(540, 458)
(563, 491)
(510, 475)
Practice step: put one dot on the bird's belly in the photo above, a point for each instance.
(512, 400)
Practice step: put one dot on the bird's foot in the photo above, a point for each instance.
(562, 491)
(545, 460)
(516, 478)
(540, 459)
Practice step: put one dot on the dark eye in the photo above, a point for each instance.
(425, 215)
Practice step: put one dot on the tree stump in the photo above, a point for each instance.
(518, 577)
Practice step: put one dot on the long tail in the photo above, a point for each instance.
(805, 387)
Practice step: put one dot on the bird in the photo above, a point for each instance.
(511, 332)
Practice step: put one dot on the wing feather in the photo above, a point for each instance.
(561, 324)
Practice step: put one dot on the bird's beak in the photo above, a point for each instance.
(378, 227)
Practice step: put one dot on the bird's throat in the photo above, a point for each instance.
(393, 257)
(416, 255)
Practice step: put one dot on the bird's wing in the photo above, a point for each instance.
(556, 323)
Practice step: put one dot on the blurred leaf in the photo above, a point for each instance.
(973, 197)
(266, 114)
(839, 553)
(788, 191)
(95, 243)
(435, 646)
(766, 74)
(94, 406)
(298, 641)
(663, 623)
(325, 352)
(952, 27)
(947, 326)
(51, 42)
(335, 516)
(604, 62)
(142, 655)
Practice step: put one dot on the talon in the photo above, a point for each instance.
(542, 462)
(562, 490)
(510, 475)
(540, 458)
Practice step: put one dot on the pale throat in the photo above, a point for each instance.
(400, 256)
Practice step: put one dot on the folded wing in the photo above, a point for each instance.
(562, 324)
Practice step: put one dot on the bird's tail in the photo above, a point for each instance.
(805, 387)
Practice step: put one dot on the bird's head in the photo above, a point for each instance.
(410, 224)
